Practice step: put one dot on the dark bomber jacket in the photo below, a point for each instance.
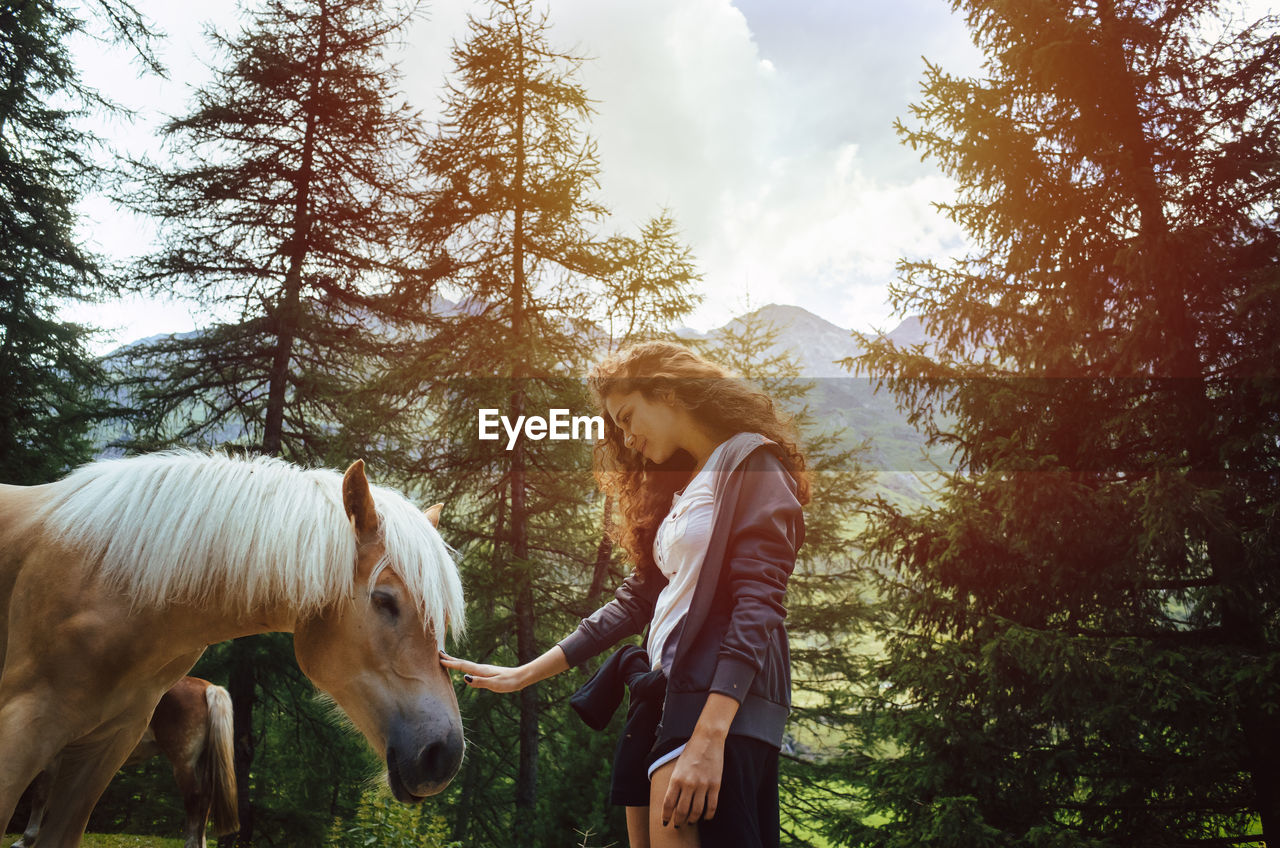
(732, 640)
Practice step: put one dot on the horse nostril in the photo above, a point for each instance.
(440, 760)
(433, 762)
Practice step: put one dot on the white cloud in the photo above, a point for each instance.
(694, 117)
(780, 168)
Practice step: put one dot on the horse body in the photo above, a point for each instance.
(113, 581)
(192, 727)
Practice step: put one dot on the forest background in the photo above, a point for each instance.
(1069, 640)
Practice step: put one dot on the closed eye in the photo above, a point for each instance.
(385, 603)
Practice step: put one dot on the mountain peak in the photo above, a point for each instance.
(785, 316)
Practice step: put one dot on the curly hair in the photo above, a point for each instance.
(721, 401)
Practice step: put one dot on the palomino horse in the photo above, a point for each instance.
(114, 579)
(192, 727)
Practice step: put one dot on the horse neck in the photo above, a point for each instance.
(210, 625)
(282, 618)
(20, 508)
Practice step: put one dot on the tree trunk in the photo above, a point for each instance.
(242, 686)
(244, 696)
(461, 831)
(1243, 628)
(286, 314)
(526, 649)
(604, 553)
(1182, 361)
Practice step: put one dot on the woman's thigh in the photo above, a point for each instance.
(669, 836)
(746, 811)
(638, 827)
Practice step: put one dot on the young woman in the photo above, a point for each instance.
(709, 483)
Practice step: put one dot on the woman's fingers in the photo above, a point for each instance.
(495, 678)
(669, 802)
(684, 802)
(693, 790)
(689, 801)
(465, 666)
(697, 803)
(452, 662)
(472, 669)
(480, 680)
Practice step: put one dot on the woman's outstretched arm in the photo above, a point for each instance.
(499, 678)
(625, 615)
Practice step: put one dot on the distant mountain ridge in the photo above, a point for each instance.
(816, 342)
(842, 399)
(839, 399)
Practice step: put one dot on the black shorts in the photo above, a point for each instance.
(630, 785)
(747, 814)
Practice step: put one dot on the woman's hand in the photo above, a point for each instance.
(495, 678)
(694, 789)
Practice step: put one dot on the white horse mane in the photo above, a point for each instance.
(185, 526)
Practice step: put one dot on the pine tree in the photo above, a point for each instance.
(1081, 636)
(284, 214)
(513, 220)
(652, 286)
(55, 390)
(826, 607)
(282, 208)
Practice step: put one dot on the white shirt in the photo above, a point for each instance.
(678, 550)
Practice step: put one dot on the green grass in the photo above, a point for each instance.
(117, 840)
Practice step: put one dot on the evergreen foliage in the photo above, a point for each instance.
(54, 388)
(512, 219)
(380, 820)
(826, 606)
(282, 206)
(1081, 642)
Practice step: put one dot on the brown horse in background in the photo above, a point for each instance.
(192, 727)
(115, 579)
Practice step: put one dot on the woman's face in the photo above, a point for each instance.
(652, 428)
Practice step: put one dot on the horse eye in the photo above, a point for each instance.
(385, 602)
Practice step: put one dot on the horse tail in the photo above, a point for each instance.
(221, 761)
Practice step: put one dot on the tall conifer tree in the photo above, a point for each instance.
(283, 212)
(826, 607)
(1082, 642)
(55, 391)
(513, 219)
(281, 209)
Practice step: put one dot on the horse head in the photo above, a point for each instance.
(377, 655)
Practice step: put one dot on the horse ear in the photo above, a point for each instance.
(358, 500)
(433, 514)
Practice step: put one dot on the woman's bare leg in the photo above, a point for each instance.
(685, 836)
(638, 827)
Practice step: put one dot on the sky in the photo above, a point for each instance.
(764, 126)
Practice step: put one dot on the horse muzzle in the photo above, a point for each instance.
(421, 765)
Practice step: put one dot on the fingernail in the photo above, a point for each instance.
(466, 677)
